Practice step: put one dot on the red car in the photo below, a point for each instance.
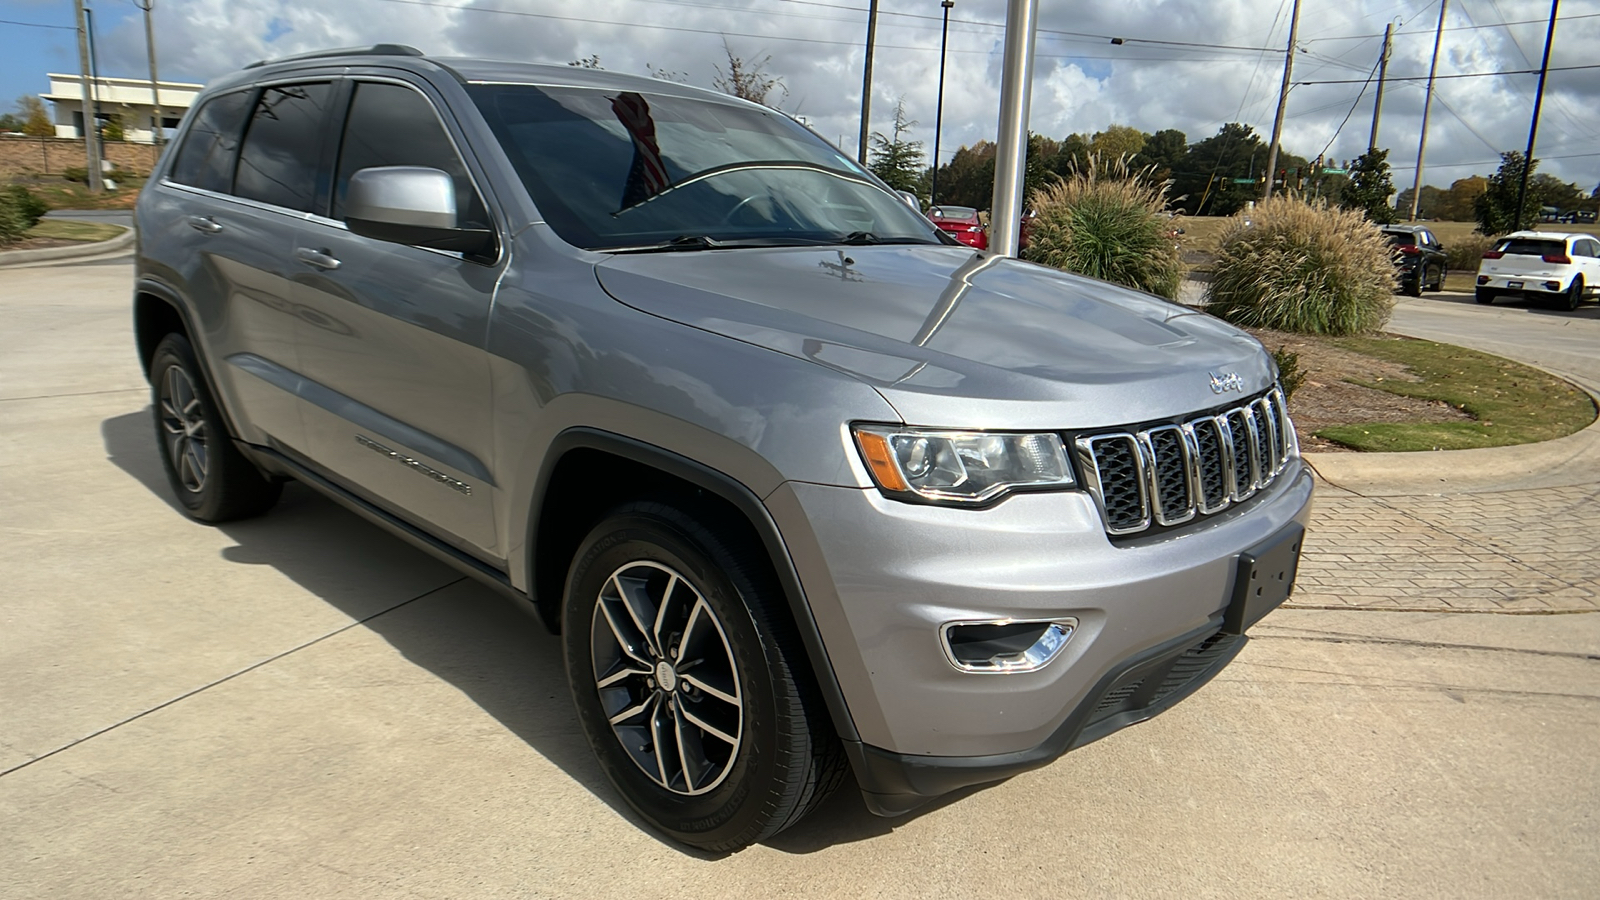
(962, 223)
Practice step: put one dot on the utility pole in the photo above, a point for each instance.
(1538, 100)
(866, 82)
(1383, 72)
(155, 85)
(1427, 104)
(1010, 161)
(91, 134)
(938, 116)
(1283, 101)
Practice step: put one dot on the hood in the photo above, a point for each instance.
(953, 337)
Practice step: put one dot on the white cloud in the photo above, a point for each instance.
(1082, 83)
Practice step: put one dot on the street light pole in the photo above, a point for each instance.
(155, 85)
(938, 116)
(1010, 160)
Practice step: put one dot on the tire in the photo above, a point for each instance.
(1575, 293)
(210, 478)
(1413, 286)
(751, 749)
(1438, 282)
(1483, 295)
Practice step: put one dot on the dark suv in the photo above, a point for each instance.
(809, 489)
(1419, 259)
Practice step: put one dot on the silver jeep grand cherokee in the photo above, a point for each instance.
(806, 488)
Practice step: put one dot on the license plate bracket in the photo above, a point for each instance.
(1264, 579)
(1514, 285)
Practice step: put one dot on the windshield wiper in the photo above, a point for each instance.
(867, 237)
(681, 242)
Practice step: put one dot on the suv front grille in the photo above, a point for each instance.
(1168, 474)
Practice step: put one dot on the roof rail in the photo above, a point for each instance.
(374, 50)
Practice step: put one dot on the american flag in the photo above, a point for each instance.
(647, 176)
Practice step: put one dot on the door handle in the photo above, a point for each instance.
(204, 223)
(322, 259)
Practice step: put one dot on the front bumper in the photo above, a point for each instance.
(882, 576)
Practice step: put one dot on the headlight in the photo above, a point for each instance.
(967, 467)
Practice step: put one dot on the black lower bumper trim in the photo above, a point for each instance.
(1142, 686)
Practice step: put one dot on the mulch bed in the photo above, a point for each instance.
(1326, 398)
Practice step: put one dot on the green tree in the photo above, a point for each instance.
(36, 122)
(10, 122)
(1212, 171)
(1117, 141)
(1370, 187)
(1163, 154)
(1456, 204)
(112, 129)
(1554, 192)
(1496, 208)
(968, 179)
(894, 159)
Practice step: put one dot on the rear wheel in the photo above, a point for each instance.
(690, 683)
(1575, 292)
(1413, 285)
(1483, 295)
(211, 479)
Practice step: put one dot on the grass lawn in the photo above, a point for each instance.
(72, 195)
(63, 230)
(1510, 403)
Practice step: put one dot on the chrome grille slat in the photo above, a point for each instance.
(1169, 474)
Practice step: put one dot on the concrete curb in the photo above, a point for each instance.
(1563, 462)
(93, 248)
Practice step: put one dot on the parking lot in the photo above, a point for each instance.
(302, 706)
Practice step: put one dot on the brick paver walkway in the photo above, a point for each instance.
(1517, 551)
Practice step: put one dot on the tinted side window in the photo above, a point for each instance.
(391, 125)
(206, 158)
(278, 162)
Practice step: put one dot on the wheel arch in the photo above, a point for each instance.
(587, 472)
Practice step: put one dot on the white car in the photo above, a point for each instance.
(1562, 269)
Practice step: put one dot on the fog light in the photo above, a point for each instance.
(1005, 646)
(1483, 279)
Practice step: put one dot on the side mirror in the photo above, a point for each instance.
(410, 205)
(911, 200)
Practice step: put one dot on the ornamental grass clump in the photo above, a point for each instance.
(1108, 222)
(1303, 267)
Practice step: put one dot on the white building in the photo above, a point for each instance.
(126, 97)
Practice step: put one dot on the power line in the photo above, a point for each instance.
(36, 25)
(1462, 75)
(1357, 37)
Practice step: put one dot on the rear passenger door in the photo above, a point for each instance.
(248, 172)
(392, 336)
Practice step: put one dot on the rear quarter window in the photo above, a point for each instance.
(209, 149)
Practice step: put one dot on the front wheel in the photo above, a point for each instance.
(209, 477)
(690, 683)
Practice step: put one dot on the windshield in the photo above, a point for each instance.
(614, 170)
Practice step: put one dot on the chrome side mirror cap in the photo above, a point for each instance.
(412, 205)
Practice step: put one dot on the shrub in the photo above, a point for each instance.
(26, 202)
(76, 173)
(1465, 253)
(1107, 222)
(1303, 267)
(1290, 375)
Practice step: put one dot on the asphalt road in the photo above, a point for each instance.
(301, 706)
(1566, 342)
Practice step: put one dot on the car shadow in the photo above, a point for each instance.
(485, 646)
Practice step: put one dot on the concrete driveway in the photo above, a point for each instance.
(300, 706)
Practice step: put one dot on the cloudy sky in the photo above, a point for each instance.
(1186, 64)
